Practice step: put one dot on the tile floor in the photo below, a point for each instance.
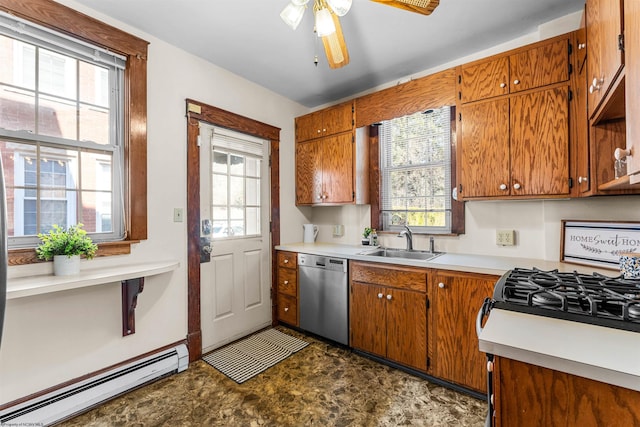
(321, 385)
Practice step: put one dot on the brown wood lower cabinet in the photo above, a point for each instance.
(455, 301)
(388, 312)
(286, 288)
(528, 395)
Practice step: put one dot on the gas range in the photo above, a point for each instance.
(589, 298)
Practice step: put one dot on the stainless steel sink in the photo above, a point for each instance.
(403, 253)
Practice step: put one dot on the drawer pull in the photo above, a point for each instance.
(286, 309)
(286, 261)
(286, 282)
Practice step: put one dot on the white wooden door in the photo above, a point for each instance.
(234, 198)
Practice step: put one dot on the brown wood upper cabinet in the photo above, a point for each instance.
(604, 55)
(527, 68)
(518, 144)
(330, 121)
(388, 312)
(455, 301)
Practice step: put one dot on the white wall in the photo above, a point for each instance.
(52, 338)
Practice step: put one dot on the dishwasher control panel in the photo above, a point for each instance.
(324, 262)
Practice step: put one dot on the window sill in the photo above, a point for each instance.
(38, 285)
(28, 255)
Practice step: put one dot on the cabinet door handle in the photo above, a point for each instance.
(380, 295)
(286, 309)
(503, 85)
(516, 82)
(517, 186)
(441, 285)
(582, 179)
(389, 297)
(503, 187)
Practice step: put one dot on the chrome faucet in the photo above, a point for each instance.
(432, 246)
(409, 235)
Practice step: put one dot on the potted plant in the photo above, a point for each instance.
(365, 236)
(65, 247)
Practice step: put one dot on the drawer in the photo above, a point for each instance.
(414, 279)
(287, 309)
(287, 259)
(288, 281)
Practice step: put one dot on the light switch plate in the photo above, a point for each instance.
(505, 237)
(177, 214)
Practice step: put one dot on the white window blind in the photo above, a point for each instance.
(415, 161)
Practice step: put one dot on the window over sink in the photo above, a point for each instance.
(415, 172)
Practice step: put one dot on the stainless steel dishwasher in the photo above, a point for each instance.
(324, 296)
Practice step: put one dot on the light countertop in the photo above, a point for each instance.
(469, 263)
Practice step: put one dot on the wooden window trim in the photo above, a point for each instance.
(66, 20)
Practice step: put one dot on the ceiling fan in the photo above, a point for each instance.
(327, 24)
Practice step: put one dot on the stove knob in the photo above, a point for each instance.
(441, 285)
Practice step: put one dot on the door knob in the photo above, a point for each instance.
(441, 285)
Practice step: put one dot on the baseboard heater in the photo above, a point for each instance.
(63, 403)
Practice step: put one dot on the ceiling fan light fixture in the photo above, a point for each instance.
(424, 7)
(292, 14)
(335, 47)
(340, 7)
(324, 22)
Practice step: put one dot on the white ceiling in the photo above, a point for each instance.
(248, 38)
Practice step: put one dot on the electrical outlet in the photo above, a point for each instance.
(177, 214)
(505, 237)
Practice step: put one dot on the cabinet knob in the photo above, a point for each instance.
(582, 45)
(503, 85)
(503, 187)
(389, 297)
(517, 186)
(516, 82)
(441, 285)
(319, 131)
(286, 261)
(286, 282)
(380, 295)
(582, 179)
(286, 309)
(489, 366)
(596, 84)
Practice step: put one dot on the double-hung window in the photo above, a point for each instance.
(415, 166)
(61, 133)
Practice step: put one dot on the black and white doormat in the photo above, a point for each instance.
(248, 357)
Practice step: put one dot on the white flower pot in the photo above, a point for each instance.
(66, 266)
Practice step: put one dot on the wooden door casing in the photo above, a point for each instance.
(484, 150)
(540, 142)
(407, 327)
(453, 340)
(367, 318)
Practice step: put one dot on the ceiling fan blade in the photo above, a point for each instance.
(335, 47)
(424, 7)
